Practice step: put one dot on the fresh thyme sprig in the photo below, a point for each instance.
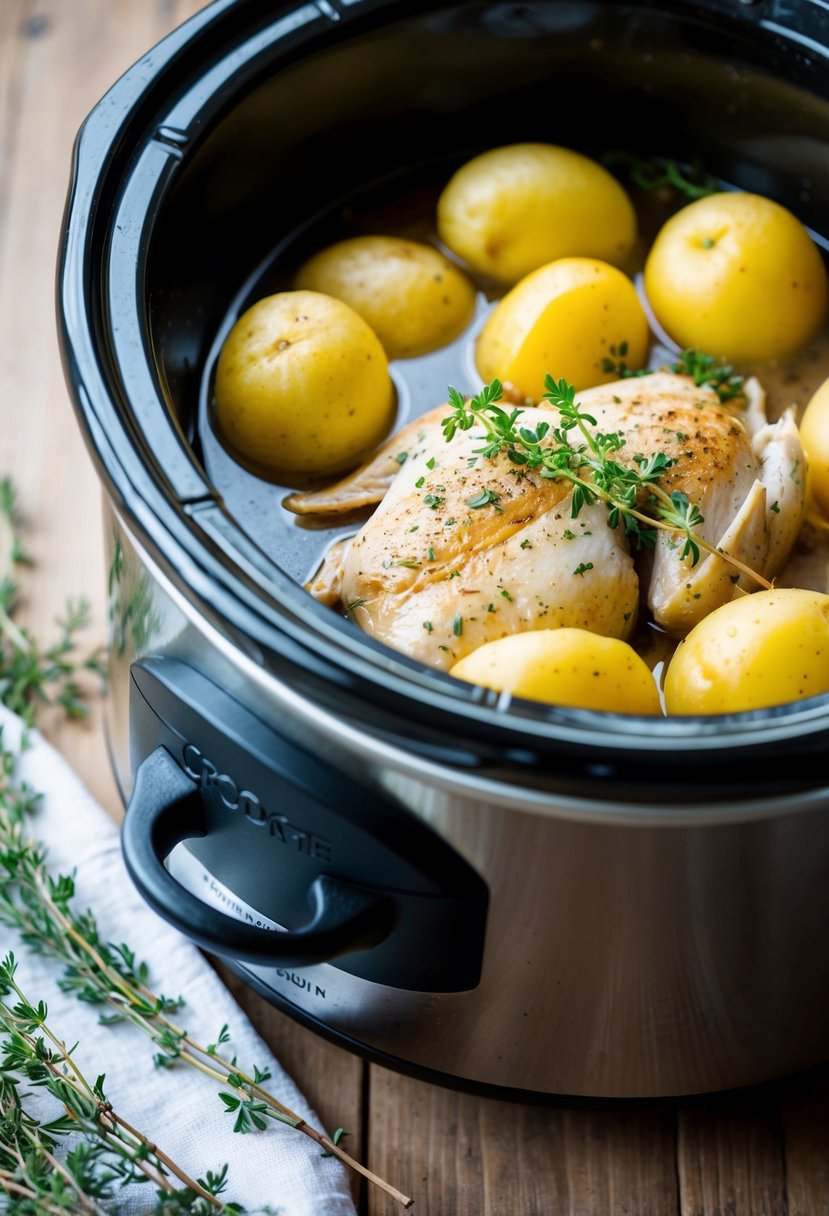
(707, 370)
(574, 450)
(34, 1180)
(113, 1153)
(652, 173)
(615, 364)
(39, 906)
(31, 674)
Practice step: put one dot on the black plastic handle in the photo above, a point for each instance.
(166, 808)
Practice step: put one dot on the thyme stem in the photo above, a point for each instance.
(58, 933)
(620, 486)
(166, 1160)
(86, 1108)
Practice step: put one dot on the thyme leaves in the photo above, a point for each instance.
(576, 451)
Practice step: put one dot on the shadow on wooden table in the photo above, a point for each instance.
(763, 1152)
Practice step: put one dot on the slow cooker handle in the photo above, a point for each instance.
(165, 809)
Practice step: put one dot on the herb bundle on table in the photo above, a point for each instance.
(191, 1088)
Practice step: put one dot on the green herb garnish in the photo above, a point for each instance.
(617, 366)
(32, 674)
(707, 370)
(483, 499)
(112, 1153)
(631, 492)
(654, 173)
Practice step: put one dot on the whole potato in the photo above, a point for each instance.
(413, 297)
(513, 209)
(738, 276)
(570, 667)
(302, 386)
(563, 319)
(814, 434)
(765, 649)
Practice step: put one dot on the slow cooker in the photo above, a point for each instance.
(479, 890)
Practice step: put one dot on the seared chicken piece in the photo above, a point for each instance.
(749, 485)
(461, 552)
(783, 473)
(715, 466)
(436, 577)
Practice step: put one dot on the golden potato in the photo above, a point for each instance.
(413, 297)
(814, 434)
(513, 209)
(570, 667)
(738, 276)
(563, 319)
(764, 649)
(302, 386)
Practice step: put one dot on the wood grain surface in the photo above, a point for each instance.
(764, 1154)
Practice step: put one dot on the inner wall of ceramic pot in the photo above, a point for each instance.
(360, 134)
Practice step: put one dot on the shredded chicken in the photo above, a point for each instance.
(435, 577)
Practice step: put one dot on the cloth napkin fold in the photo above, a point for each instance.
(178, 1107)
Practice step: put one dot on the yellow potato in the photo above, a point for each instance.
(565, 667)
(513, 209)
(413, 297)
(738, 276)
(764, 649)
(563, 319)
(302, 386)
(814, 434)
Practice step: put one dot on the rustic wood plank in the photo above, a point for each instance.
(804, 1115)
(14, 15)
(730, 1157)
(480, 1157)
(57, 57)
(457, 1154)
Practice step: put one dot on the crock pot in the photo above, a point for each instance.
(481, 891)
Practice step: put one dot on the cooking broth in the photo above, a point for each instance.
(398, 208)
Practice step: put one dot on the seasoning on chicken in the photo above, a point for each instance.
(461, 551)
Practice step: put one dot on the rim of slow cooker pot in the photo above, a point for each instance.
(153, 478)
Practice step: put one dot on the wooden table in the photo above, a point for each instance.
(764, 1153)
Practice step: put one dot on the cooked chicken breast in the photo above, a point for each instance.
(461, 551)
(435, 577)
(716, 466)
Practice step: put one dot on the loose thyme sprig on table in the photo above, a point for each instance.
(31, 674)
(113, 1154)
(631, 493)
(39, 906)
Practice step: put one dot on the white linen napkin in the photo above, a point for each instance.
(178, 1107)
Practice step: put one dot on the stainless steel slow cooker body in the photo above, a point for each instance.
(499, 894)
